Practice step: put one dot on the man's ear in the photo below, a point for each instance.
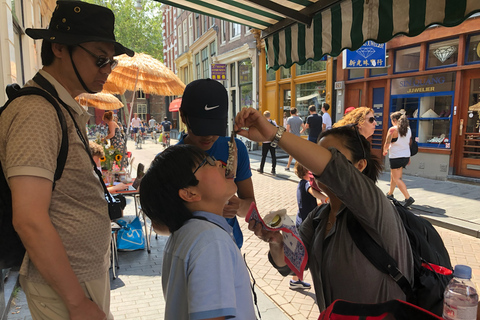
(183, 117)
(361, 165)
(189, 194)
(59, 49)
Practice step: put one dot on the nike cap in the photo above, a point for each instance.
(205, 103)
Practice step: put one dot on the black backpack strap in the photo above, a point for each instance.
(377, 255)
(14, 92)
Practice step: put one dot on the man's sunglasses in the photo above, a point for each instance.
(371, 119)
(101, 61)
(208, 159)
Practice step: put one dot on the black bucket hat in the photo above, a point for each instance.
(75, 22)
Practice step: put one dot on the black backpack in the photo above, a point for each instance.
(431, 261)
(11, 247)
(429, 254)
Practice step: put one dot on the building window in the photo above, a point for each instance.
(473, 49)
(284, 73)
(356, 73)
(271, 74)
(233, 75)
(179, 41)
(374, 72)
(311, 66)
(185, 36)
(205, 24)
(190, 30)
(205, 64)
(213, 48)
(142, 110)
(197, 26)
(236, 30)
(407, 59)
(197, 65)
(311, 93)
(245, 83)
(140, 94)
(442, 54)
(19, 71)
(224, 31)
(185, 75)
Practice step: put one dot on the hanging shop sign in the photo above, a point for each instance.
(370, 55)
(219, 71)
(424, 84)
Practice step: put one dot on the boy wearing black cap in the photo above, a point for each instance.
(65, 229)
(204, 110)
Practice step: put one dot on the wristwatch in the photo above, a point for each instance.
(278, 136)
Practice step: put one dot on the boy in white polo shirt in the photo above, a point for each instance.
(203, 273)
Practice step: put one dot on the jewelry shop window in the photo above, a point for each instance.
(407, 59)
(428, 102)
(311, 93)
(442, 54)
(473, 49)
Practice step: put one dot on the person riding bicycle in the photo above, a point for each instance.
(136, 123)
(166, 126)
(152, 127)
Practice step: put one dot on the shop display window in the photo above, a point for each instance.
(311, 93)
(473, 49)
(442, 54)
(310, 67)
(407, 59)
(429, 117)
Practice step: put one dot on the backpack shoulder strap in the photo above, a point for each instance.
(377, 255)
(14, 92)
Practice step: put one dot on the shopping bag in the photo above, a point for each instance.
(160, 138)
(390, 310)
(130, 236)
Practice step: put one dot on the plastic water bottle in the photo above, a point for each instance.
(461, 298)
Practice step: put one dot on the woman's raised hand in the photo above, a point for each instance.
(251, 124)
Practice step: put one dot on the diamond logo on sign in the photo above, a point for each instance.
(370, 55)
(366, 52)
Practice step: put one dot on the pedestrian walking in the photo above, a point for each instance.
(397, 143)
(327, 120)
(294, 125)
(65, 227)
(266, 147)
(314, 124)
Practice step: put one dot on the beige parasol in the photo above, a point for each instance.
(103, 101)
(144, 72)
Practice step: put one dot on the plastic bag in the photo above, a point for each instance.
(130, 236)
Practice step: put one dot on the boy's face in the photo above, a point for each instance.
(203, 142)
(213, 185)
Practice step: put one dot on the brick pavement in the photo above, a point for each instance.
(137, 293)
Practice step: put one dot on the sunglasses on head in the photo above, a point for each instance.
(355, 127)
(101, 61)
(371, 119)
(208, 159)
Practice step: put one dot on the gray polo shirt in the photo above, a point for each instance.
(203, 273)
(295, 124)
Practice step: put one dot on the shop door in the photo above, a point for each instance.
(285, 101)
(469, 128)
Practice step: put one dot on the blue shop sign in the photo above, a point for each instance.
(370, 55)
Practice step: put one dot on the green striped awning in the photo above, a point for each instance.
(348, 24)
(298, 30)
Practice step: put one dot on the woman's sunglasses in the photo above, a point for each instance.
(101, 61)
(371, 119)
(208, 159)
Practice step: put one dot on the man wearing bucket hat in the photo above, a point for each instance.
(204, 110)
(65, 229)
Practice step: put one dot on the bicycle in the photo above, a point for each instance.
(139, 140)
(166, 139)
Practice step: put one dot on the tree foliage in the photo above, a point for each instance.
(141, 30)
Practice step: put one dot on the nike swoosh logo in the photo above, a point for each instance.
(207, 108)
